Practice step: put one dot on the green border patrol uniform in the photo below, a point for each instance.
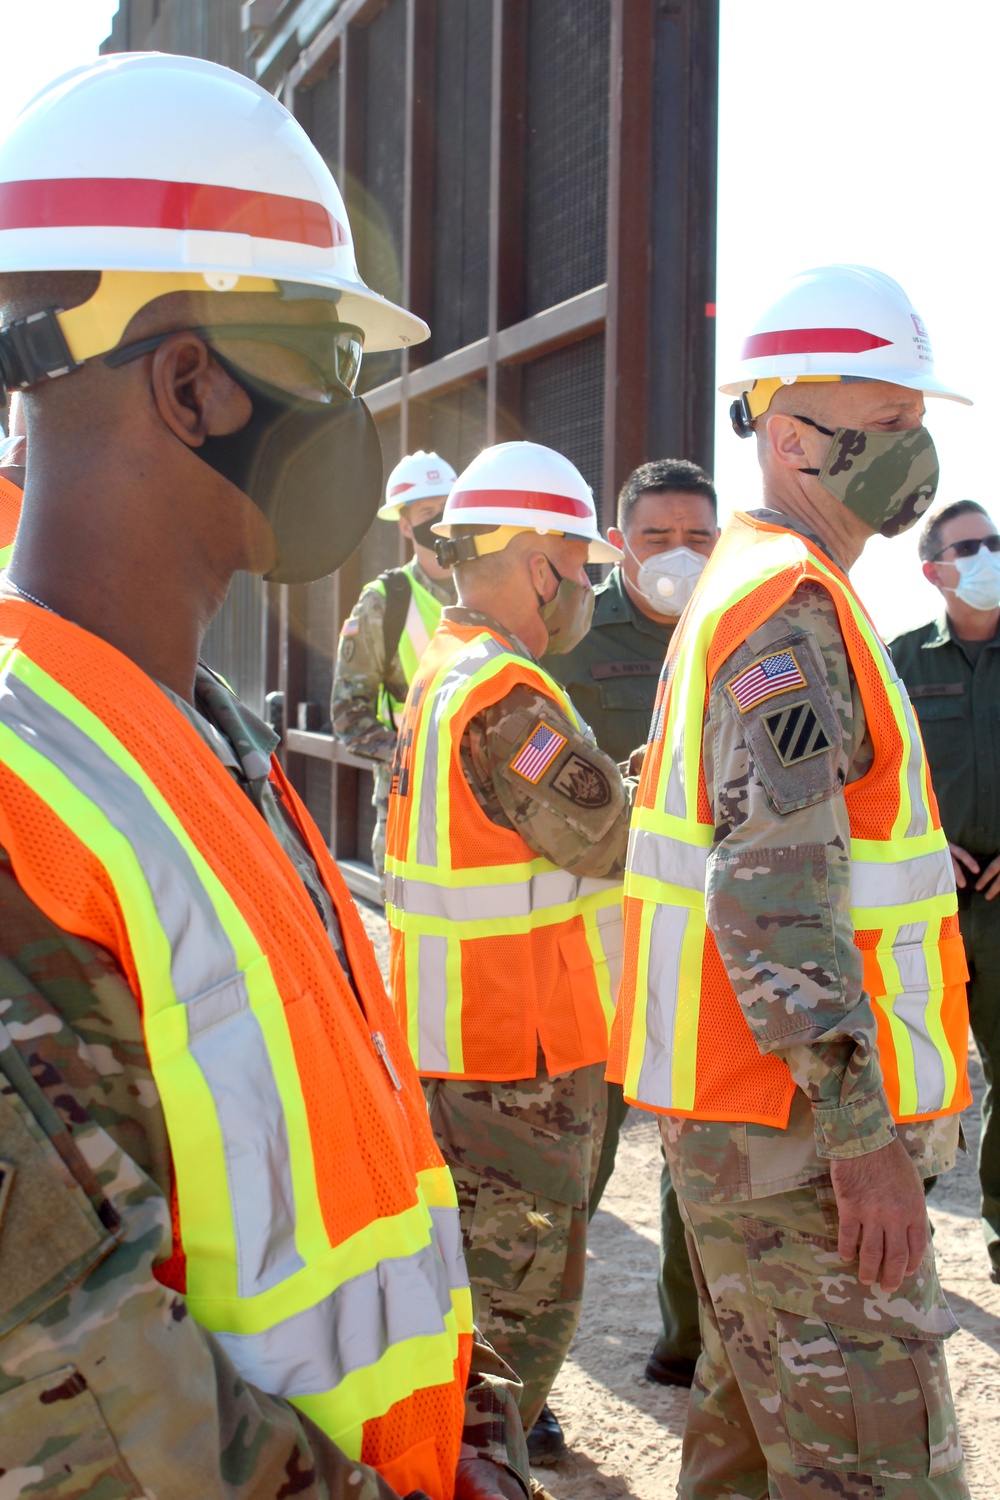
(955, 688)
(611, 676)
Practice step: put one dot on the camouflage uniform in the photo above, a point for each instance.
(524, 1154)
(360, 675)
(779, 1310)
(107, 1386)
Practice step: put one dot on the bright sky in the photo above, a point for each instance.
(862, 131)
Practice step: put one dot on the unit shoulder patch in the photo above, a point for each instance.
(796, 732)
(766, 678)
(537, 753)
(585, 785)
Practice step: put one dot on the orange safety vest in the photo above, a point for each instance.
(11, 496)
(493, 948)
(681, 1044)
(316, 1229)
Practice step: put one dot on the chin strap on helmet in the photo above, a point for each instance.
(34, 349)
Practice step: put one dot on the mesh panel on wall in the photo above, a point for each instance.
(319, 113)
(380, 242)
(380, 547)
(319, 646)
(566, 181)
(456, 424)
(461, 174)
(562, 397)
(319, 793)
(234, 642)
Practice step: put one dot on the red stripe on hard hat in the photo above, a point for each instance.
(148, 203)
(811, 341)
(563, 505)
(398, 489)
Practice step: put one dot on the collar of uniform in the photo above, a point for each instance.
(226, 724)
(442, 588)
(613, 606)
(943, 634)
(459, 615)
(792, 523)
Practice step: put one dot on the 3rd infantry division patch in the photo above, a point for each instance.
(796, 732)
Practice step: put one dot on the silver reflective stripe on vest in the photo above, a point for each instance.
(610, 930)
(479, 903)
(910, 1006)
(666, 939)
(895, 883)
(666, 859)
(312, 1351)
(432, 987)
(472, 660)
(415, 627)
(225, 1036)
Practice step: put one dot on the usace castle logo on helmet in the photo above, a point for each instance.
(922, 339)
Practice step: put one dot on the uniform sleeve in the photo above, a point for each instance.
(778, 882)
(493, 1427)
(541, 776)
(358, 676)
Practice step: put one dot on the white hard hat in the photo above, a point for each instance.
(144, 162)
(418, 476)
(526, 487)
(837, 322)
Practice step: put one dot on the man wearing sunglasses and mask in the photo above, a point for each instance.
(388, 629)
(951, 668)
(793, 996)
(504, 851)
(230, 1253)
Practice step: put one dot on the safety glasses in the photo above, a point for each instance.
(333, 350)
(968, 547)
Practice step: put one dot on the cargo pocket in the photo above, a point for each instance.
(55, 1442)
(861, 1375)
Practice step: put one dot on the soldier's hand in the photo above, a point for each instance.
(989, 880)
(962, 860)
(880, 1199)
(635, 761)
(479, 1479)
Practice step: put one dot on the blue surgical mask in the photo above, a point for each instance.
(978, 580)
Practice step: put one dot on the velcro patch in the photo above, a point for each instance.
(796, 732)
(6, 1178)
(350, 626)
(766, 678)
(537, 753)
(584, 784)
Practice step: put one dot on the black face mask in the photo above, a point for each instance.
(423, 535)
(313, 468)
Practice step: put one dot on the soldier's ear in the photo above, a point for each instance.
(784, 436)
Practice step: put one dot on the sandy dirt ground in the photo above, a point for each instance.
(625, 1434)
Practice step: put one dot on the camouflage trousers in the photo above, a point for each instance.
(523, 1156)
(810, 1385)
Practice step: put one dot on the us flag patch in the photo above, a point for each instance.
(796, 732)
(765, 679)
(537, 753)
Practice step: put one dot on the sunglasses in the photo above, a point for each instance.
(334, 351)
(969, 546)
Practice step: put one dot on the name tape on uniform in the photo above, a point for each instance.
(766, 678)
(537, 753)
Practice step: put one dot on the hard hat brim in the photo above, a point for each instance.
(929, 384)
(395, 510)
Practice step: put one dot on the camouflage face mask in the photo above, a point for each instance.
(887, 478)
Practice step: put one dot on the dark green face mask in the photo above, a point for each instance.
(889, 479)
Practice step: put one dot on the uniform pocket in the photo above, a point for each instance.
(55, 1442)
(861, 1376)
(50, 1234)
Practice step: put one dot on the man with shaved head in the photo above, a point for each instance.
(793, 999)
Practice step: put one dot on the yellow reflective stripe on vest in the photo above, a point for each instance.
(258, 1258)
(422, 616)
(5, 554)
